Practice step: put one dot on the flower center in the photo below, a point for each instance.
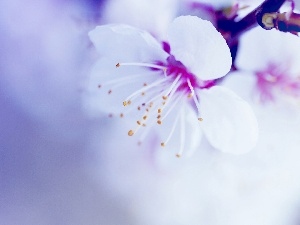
(276, 79)
(171, 85)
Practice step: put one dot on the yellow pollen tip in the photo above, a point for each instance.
(130, 133)
(143, 93)
(159, 116)
(162, 144)
(178, 155)
(144, 117)
(138, 122)
(200, 119)
(129, 102)
(124, 103)
(159, 110)
(190, 95)
(159, 122)
(118, 65)
(139, 108)
(165, 97)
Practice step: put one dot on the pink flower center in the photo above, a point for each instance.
(276, 79)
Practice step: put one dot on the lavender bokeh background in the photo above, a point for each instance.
(44, 159)
(60, 166)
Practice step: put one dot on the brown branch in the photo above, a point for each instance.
(284, 22)
(254, 17)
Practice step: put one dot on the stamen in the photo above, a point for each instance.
(163, 144)
(156, 93)
(182, 133)
(143, 65)
(121, 81)
(194, 97)
(172, 86)
(134, 131)
(130, 133)
(165, 103)
(172, 106)
(159, 110)
(145, 88)
(165, 72)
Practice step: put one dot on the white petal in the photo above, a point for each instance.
(124, 43)
(153, 16)
(228, 121)
(200, 47)
(242, 83)
(217, 4)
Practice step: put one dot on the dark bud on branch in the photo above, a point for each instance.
(285, 22)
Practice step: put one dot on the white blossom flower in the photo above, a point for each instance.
(170, 88)
(273, 73)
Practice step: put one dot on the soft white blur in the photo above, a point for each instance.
(154, 15)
